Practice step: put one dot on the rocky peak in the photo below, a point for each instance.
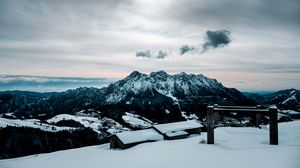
(159, 74)
(136, 75)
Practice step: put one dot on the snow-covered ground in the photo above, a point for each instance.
(234, 148)
(32, 123)
(94, 123)
(136, 121)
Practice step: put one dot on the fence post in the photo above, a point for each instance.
(257, 119)
(273, 126)
(210, 125)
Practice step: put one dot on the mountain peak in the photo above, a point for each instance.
(161, 73)
(136, 74)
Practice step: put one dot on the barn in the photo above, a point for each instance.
(169, 131)
(178, 130)
(131, 138)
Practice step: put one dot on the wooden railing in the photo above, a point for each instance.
(212, 112)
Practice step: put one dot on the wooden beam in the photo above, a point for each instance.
(210, 125)
(240, 107)
(241, 110)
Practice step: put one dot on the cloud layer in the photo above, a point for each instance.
(101, 38)
(48, 84)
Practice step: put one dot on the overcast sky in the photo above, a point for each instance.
(111, 38)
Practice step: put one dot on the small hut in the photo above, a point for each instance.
(131, 138)
(178, 130)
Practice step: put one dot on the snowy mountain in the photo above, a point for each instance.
(288, 99)
(162, 97)
(178, 86)
(159, 96)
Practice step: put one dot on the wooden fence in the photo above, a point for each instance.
(212, 113)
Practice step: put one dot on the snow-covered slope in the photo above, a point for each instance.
(95, 123)
(136, 121)
(98, 124)
(235, 148)
(32, 123)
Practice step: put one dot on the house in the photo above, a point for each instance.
(131, 138)
(178, 130)
(169, 131)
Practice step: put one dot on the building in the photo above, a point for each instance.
(169, 131)
(131, 138)
(178, 130)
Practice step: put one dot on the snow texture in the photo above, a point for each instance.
(234, 148)
(91, 122)
(95, 123)
(176, 133)
(32, 123)
(136, 120)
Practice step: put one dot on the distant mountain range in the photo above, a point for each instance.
(288, 99)
(158, 96)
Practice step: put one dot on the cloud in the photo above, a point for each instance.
(186, 48)
(215, 39)
(47, 84)
(161, 54)
(145, 54)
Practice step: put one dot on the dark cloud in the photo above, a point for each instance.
(267, 14)
(186, 48)
(215, 39)
(161, 54)
(145, 54)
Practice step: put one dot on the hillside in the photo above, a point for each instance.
(235, 147)
(288, 99)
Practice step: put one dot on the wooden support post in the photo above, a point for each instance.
(273, 126)
(210, 125)
(258, 119)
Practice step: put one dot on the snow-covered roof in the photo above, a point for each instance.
(177, 126)
(129, 137)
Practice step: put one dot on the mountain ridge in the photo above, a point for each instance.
(149, 95)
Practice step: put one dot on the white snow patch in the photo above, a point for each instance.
(189, 117)
(289, 112)
(91, 122)
(136, 120)
(293, 97)
(32, 123)
(176, 133)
